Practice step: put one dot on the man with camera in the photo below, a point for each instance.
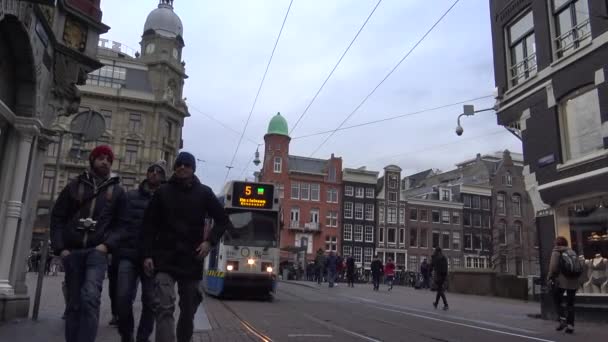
(86, 223)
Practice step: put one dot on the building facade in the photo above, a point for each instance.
(550, 71)
(139, 96)
(46, 49)
(358, 236)
(390, 239)
(309, 191)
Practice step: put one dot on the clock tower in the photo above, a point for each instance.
(161, 49)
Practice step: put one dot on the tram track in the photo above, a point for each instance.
(246, 324)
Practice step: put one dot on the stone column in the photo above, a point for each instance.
(14, 205)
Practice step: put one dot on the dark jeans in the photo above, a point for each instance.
(439, 284)
(128, 275)
(350, 277)
(376, 281)
(426, 282)
(331, 277)
(558, 298)
(390, 280)
(112, 280)
(190, 297)
(84, 273)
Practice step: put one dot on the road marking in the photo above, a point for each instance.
(309, 335)
(465, 325)
(333, 326)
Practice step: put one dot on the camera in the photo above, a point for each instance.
(87, 224)
(459, 130)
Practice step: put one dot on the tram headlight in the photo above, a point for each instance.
(269, 269)
(250, 261)
(229, 267)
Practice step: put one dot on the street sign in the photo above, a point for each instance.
(90, 124)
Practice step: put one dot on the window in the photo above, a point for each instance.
(413, 263)
(502, 232)
(358, 232)
(392, 184)
(369, 212)
(486, 242)
(477, 241)
(48, 181)
(485, 221)
(507, 179)
(332, 195)
(281, 190)
(131, 152)
(436, 237)
(278, 164)
(358, 254)
(332, 174)
(128, 183)
(392, 238)
(348, 190)
(332, 219)
(572, 25)
(304, 191)
(392, 215)
(348, 232)
(108, 76)
(402, 236)
(435, 216)
(468, 241)
(466, 199)
(500, 204)
(134, 122)
(358, 211)
(360, 193)
(424, 238)
(392, 196)
(522, 47)
(517, 233)
(519, 266)
(504, 267)
(466, 219)
(315, 192)
(348, 210)
(381, 214)
(445, 241)
(367, 255)
(476, 204)
(381, 235)
(331, 244)
(516, 205)
(477, 220)
(446, 195)
(295, 217)
(581, 124)
(414, 237)
(455, 217)
(413, 214)
(485, 203)
(445, 216)
(51, 150)
(347, 250)
(295, 190)
(456, 262)
(402, 215)
(456, 240)
(369, 234)
(370, 193)
(423, 215)
(107, 116)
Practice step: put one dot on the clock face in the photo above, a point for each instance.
(175, 53)
(150, 48)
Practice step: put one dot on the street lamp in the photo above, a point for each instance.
(256, 159)
(469, 110)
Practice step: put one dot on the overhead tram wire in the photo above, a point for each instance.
(258, 93)
(335, 67)
(221, 123)
(422, 111)
(385, 77)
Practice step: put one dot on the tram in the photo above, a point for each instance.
(245, 261)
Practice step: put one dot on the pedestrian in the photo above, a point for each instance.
(565, 270)
(320, 265)
(86, 224)
(376, 267)
(350, 271)
(331, 264)
(174, 246)
(439, 265)
(129, 260)
(389, 272)
(426, 274)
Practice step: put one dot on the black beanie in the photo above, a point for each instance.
(185, 158)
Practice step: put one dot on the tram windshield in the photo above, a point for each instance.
(252, 228)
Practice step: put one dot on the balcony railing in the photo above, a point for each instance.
(305, 226)
(574, 38)
(523, 69)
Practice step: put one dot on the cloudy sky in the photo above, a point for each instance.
(228, 45)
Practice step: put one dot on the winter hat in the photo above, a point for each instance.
(185, 158)
(100, 151)
(160, 164)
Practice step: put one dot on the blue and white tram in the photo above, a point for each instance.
(245, 261)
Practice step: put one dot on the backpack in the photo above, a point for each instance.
(569, 264)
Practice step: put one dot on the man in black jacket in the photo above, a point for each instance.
(174, 246)
(439, 264)
(85, 225)
(130, 267)
(377, 268)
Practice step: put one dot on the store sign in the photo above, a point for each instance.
(252, 195)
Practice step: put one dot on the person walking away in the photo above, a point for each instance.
(426, 274)
(86, 224)
(389, 272)
(331, 266)
(350, 271)
(439, 265)
(129, 260)
(565, 270)
(339, 270)
(174, 246)
(376, 267)
(320, 265)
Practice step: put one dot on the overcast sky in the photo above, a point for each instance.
(228, 44)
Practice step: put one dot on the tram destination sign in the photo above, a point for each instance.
(252, 195)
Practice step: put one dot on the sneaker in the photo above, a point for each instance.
(445, 308)
(562, 325)
(435, 305)
(570, 329)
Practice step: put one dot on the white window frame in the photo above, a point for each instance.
(391, 215)
(331, 219)
(348, 210)
(456, 241)
(381, 213)
(347, 233)
(433, 216)
(369, 233)
(348, 191)
(469, 247)
(516, 204)
(278, 165)
(527, 67)
(388, 235)
(314, 215)
(579, 32)
(370, 192)
(304, 189)
(402, 236)
(315, 189)
(446, 194)
(393, 196)
(295, 190)
(414, 210)
(281, 191)
(358, 233)
(402, 215)
(359, 211)
(358, 254)
(501, 198)
(360, 192)
(443, 235)
(456, 217)
(367, 255)
(295, 213)
(445, 217)
(347, 251)
(332, 195)
(369, 212)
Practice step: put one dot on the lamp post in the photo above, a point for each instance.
(469, 110)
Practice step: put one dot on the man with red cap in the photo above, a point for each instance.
(86, 224)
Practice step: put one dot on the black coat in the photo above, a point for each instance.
(174, 227)
(439, 264)
(70, 207)
(130, 243)
(350, 265)
(376, 267)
